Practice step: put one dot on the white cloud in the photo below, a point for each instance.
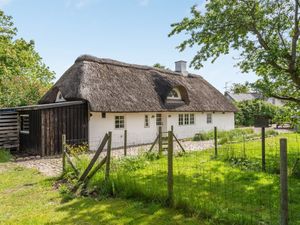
(4, 2)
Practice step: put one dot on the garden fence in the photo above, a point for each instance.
(225, 183)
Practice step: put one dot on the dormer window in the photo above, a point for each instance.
(174, 94)
(59, 97)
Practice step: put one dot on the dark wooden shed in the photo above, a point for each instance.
(40, 127)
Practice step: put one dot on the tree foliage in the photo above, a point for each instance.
(251, 108)
(278, 115)
(158, 65)
(265, 33)
(238, 88)
(24, 78)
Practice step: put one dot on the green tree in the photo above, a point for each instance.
(24, 78)
(240, 88)
(249, 109)
(265, 33)
(158, 65)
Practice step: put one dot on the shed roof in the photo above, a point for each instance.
(113, 86)
(43, 106)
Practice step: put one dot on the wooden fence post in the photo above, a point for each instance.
(216, 141)
(159, 140)
(170, 169)
(283, 182)
(125, 142)
(263, 149)
(63, 148)
(108, 154)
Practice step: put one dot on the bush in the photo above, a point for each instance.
(203, 136)
(271, 133)
(236, 135)
(77, 149)
(249, 109)
(224, 136)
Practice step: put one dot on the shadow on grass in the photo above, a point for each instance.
(116, 211)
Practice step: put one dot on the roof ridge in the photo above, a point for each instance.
(95, 59)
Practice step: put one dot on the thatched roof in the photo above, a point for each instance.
(112, 86)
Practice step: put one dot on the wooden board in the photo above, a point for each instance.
(9, 130)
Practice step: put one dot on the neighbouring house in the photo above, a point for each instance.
(98, 95)
(239, 97)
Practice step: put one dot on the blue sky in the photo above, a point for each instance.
(133, 31)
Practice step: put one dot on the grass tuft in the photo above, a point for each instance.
(5, 155)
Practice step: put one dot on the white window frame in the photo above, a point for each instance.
(159, 119)
(180, 119)
(60, 97)
(24, 129)
(209, 118)
(119, 120)
(170, 96)
(146, 121)
(192, 121)
(186, 119)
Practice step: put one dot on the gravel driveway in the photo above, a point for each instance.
(53, 166)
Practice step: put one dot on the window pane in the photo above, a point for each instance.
(186, 119)
(24, 123)
(180, 119)
(209, 118)
(119, 122)
(192, 119)
(146, 121)
(158, 120)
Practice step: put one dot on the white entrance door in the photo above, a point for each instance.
(161, 121)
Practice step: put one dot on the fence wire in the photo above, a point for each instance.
(230, 188)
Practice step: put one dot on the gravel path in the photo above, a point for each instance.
(48, 166)
(53, 166)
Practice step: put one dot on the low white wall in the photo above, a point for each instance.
(138, 134)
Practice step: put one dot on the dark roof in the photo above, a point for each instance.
(44, 106)
(112, 86)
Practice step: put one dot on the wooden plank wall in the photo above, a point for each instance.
(9, 130)
(69, 120)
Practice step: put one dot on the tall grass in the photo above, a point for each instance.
(5, 155)
(230, 189)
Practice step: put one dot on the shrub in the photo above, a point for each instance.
(249, 109)
(224, 136)
(271, 133)
(77, 149)
(132, 163)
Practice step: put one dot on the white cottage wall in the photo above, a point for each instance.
(137, 133)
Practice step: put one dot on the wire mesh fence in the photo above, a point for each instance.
(231, 188)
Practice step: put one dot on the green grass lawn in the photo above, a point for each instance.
(27, 197)
(228, 190)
